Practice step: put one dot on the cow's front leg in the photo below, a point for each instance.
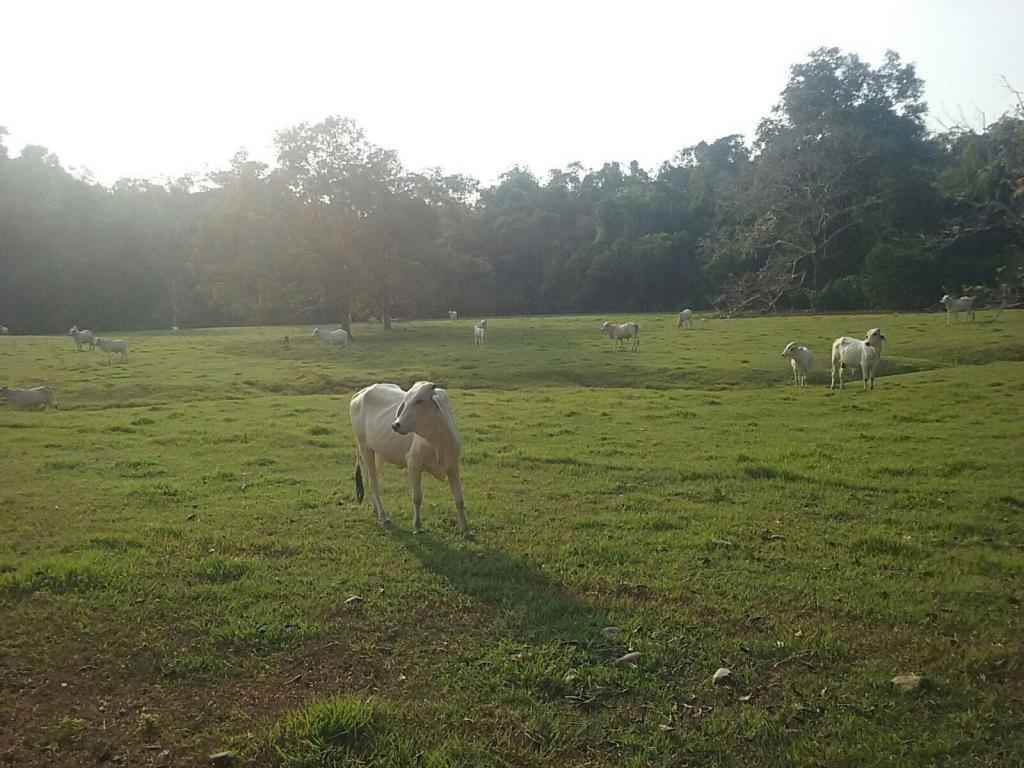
(416, 485)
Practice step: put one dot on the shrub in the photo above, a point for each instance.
(843, 294)
(901, 276)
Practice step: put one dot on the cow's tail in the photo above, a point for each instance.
(359, 482)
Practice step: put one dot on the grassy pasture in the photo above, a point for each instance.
(178, 541)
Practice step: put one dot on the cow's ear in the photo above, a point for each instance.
(440, 397)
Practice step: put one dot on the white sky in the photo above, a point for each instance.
(147, 88)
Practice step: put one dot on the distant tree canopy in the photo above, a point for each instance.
(842, 201)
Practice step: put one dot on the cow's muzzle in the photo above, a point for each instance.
(397, 427)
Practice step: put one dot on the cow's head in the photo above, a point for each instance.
(788, 351)
(605, 327)
(421, 402)
(315, 332)
(72, 330)
(875, 337)
(946, 298)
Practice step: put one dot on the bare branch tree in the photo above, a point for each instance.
(1015, 92)
(759, 292)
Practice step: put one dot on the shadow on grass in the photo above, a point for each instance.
(536, 607)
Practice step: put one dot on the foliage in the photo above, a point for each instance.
(901, 276)
(841, 168)
(842, 295)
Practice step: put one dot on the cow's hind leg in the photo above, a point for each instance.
(456, 484)
(371, 465)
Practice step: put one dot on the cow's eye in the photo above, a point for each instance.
(418, 402)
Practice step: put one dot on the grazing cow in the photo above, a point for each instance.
(453, 315)
(625, 331)
(415, 430)
(480, 332)
(866, 355)
(685, 318)
(955, 306)
(800, 358)
(113, 345)
(3, 330)
(82, 337)
(334, 338)
(29, 398)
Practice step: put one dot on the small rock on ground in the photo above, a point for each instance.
(908, 683)
(630, 658)
(722, 676)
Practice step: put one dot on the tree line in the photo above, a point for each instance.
(842, 200)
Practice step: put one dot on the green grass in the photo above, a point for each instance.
(180, 538)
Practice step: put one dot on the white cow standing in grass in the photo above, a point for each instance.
(685, 318)
(24, 399)
(415, 430)
(335, 338)
(113, 345)
(625, 331)
(800, 358)
(866, 355)
(82, 338)
(480, 333)
(955, 306)
(453, 315)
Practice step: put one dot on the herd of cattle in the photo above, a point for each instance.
(846, 352)
(416, 430)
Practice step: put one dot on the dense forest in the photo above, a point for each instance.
(842, 200)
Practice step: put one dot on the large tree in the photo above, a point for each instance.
(250, 255)
(344, 181)
(843, 145)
